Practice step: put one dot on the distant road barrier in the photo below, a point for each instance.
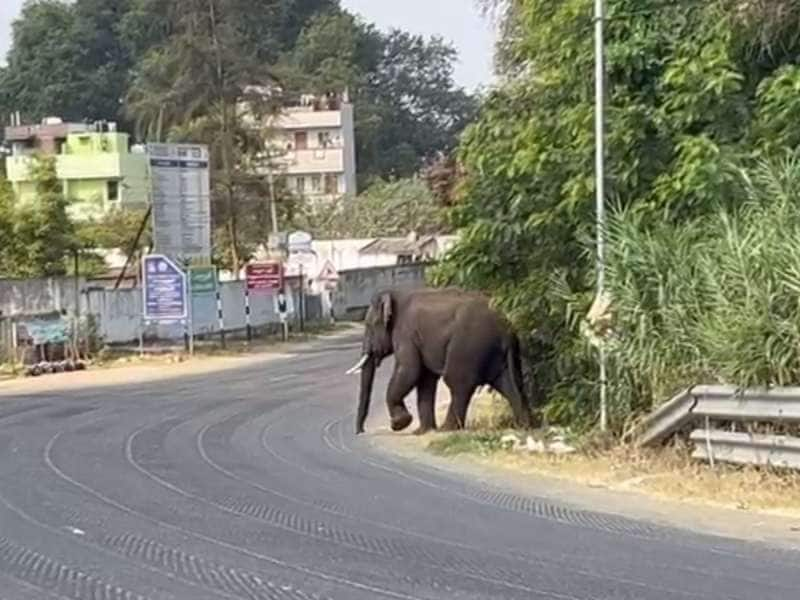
(704, 407)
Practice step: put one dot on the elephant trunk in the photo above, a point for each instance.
(365, 393)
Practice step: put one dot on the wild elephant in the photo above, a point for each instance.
(437, 334)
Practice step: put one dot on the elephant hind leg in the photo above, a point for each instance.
(507, 387)
(426, 401)
(457, 411)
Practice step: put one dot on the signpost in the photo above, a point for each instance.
(166, 293)
(266, 276)
(180, 188)
(299, 241)
(260, 277)
(203, 280)
(165, 289)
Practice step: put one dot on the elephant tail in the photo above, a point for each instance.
(514, 361)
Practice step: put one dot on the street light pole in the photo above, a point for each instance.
(599, 97)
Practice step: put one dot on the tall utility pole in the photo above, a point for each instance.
(599, 129)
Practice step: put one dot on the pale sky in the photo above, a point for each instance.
(457, 21)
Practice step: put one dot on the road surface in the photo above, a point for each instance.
(249, 483)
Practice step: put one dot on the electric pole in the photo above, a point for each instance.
(599, 89)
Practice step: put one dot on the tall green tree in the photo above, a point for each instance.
(42, 76)
(74, 59)
(43, 228)
(8, 243)
(692, 88)
(193, 85)
(407, 105)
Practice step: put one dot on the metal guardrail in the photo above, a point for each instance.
(746, 448)
(707, 403)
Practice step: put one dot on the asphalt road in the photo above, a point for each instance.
(250, 484)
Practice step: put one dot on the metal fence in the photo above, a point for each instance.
(731, 424)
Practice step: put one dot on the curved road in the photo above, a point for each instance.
(249, 484)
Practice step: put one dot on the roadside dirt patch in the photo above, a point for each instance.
(159, 367)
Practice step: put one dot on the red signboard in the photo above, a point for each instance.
(264, 276)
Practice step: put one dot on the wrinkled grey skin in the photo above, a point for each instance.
(437, 334)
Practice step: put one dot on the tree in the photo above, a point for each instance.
(8, 243)
(193, 85)
(43, 62)
(393, 208)
(43, 228)
(692, 89)
(74, 59)
(423, 110)
(407, 106)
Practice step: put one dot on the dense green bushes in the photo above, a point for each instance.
(693, 89)
(714, 299)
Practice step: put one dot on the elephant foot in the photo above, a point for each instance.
(422, 429)
(452, 426)
(401, 422)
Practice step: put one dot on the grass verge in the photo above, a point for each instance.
(669, 473)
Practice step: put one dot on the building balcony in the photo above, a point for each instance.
(308, 119)
(312, 160)
(95, 166)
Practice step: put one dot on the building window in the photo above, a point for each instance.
(316, 183)
(324, 139)
(300, 140)
(300, 185)
(331, 183)
(112, 189)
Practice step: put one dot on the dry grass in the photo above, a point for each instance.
(669, 473)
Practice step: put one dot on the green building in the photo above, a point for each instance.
(95, 162)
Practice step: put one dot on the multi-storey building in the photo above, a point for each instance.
(313, 146)
(94, 162)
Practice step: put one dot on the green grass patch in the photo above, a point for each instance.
(466, 442)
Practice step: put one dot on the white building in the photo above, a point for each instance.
(364, 253)
(315, 147)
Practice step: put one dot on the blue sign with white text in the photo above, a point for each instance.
(164, 289)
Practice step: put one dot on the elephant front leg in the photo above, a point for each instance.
(401, 383)
(426, 402)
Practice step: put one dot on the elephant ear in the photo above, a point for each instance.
(386, 309)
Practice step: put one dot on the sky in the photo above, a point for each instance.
(457, 21)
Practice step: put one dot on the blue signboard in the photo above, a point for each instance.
(164, 289)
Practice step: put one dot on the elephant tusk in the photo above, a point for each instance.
(357, 367)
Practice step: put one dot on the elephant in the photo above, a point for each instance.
(444, 333)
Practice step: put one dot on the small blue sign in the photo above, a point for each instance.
(164, 289)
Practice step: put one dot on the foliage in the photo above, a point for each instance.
(481, 443)
(406, 104)
(692, 89)
(711, 300)
(73, 59)
(191, 86)
(386, 208)
(115, 229)
(8, 243)
(43, 229)
(67, 60)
